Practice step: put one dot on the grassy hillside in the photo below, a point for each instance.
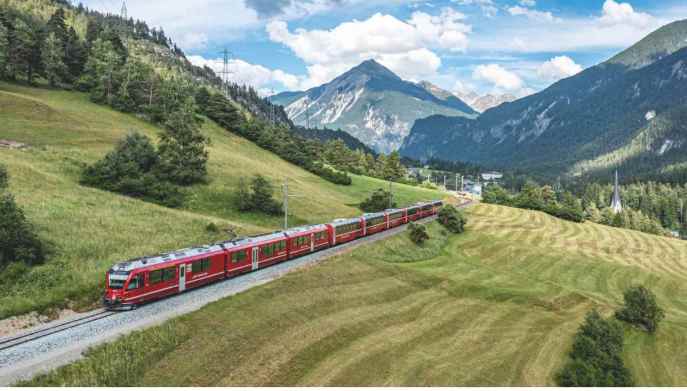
(91, 229)
(497, 305)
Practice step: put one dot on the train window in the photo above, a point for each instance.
(375, 221)
(169, 273)
(155, 276)
(238, 256)
(282, 245)
(136, 282)
(267, 250)
(200, 266)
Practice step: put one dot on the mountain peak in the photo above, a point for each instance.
(373, 68)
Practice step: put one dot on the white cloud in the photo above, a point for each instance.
(500, 77)
(533, 14)
(528, 3)
(558, 68)
(615, 13)
(405, 47)
(242, 72)
(616, 26)
(488, 7)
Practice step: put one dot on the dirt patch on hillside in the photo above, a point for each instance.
(12, 144)
(16, 324)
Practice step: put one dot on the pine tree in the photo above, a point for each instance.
(52, 55)
(99, 76)
(27, 49)
(183, 156)
(74, 55)
(4, 47)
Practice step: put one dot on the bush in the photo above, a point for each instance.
(641, 309)
(418, 233)
(4, 178)
(336, 177)
(495, 194)
(596, 356)
(19, 241)
(378, 201)
(257, 197)
(452, 219)
(132, 169)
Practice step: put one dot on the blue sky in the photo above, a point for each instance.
(487, 46)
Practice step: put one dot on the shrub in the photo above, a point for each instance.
(4, 178)
(378, 201)
(452, 219)
(641, 309)
(131, 169)
(212, 228)
(596, 356)
(418, 233)
(495, 194)
(19, 241)
(257, 197)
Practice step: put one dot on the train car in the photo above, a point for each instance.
(303, 240)
(256, 252)
(426, 209)
(374, 222)
(413, 213)
(345, 230)
(136, 281)
(396, 217)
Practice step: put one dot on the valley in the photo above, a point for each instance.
(496, 306)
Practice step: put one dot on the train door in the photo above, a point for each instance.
(256, 256)
(182, 277)
(312, 242)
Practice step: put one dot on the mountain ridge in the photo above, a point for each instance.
(576, 120)
(369, 102)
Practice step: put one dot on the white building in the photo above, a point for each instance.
(616, 204)
(491, 175)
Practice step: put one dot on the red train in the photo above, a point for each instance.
(140, 280)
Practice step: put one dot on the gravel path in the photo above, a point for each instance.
(52, 351)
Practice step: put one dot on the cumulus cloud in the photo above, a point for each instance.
(533, 14)
(558, 68)
(500, 77)
(242, 72)
(404, 46)
(615, 13)
(528, 3)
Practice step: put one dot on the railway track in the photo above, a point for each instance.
(17, 340)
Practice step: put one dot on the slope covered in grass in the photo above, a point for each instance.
(91, 229)
(497, 305)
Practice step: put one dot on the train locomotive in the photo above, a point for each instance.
(141, 280)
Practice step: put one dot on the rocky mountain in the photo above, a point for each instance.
(486, 102)
(371, 103)
(627, 112)
(479, 103)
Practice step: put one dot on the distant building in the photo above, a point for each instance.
(616, 204)
(491, 175)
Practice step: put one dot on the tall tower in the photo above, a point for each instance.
(616, 205)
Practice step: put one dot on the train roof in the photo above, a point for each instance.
(373, 215)
(138, 263)
(394, 210)
(305, 228)
(247, 241)
(345, 221)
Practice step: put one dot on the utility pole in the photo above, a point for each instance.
(272, 113)
(225, 70)
(456, 183)
(444, 182)
(286, 202)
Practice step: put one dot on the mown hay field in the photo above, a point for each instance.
(497, 305)
(91, 229)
